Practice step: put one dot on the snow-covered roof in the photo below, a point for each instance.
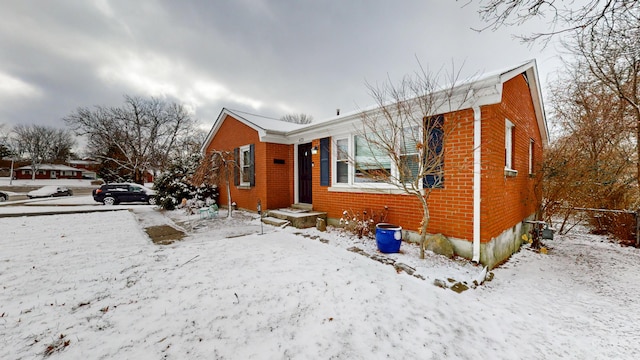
(269, 129)
(56, 167)
(83, 162)
(485, 89)
(265, 122)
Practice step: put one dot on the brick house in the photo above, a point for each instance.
(489, 165)
(89, 167)
(49, 171)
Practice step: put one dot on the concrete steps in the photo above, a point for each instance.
(300, 216)
(269, 220)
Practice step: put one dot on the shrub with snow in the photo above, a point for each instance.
(174, 185)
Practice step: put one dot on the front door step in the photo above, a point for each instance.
(275, 221)
(302, 206)
(299, 219)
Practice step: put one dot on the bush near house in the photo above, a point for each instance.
(363, 224)
(175, 184)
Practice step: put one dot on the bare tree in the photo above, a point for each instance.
(402, 142)
(612, 56)
(604, 37)
(42, 144)
(298, 118)
(144, 133)
(62, 142)
(563, 16)
(592, 163)
(216, 167)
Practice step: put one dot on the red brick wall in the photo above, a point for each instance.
(451, 208)
(274, 182)
(279, 177)
(46, 175)
(507, 200)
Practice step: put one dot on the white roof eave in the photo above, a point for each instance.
(484, 91)
(276, 137)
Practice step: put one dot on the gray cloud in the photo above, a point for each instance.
(269, 57)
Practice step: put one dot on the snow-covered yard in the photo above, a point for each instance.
(79, 286)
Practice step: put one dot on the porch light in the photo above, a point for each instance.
(314, 150)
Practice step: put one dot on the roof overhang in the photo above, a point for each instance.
(486, 90)
(480, 91)
(265, 135)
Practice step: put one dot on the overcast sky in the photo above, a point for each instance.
(264, 56)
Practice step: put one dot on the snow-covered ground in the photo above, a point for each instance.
(93, 285)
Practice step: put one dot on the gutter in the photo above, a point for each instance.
(477, 155)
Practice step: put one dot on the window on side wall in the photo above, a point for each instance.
(508, 146)
(244, 173)
(245, 166)
(531, 157)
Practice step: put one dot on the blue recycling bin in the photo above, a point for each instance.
(388, 237)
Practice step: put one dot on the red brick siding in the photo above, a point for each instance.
(273, 182)
(508, 200)
(451, 208)
(279, 190)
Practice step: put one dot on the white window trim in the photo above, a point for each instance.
(243, 149)
(508, 147)
(334, 160)
(351, 185)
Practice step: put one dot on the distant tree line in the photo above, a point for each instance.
(144, 134)
(39, 144)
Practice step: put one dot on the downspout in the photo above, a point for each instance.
(477, 154)
(295, 173)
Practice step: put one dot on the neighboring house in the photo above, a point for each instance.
(149, 176)
(490, 180)
(89, 167)
(49, 171)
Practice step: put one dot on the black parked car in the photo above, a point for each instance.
(110, 194)
(3, 196)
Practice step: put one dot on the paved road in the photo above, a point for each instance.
(21, 191)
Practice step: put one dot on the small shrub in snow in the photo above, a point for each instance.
(363, 224)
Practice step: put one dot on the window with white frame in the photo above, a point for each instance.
(342, 161)
(245, 165)
(409, 155)
(372, 165)
(508, 145)
(357, 161)
(531, 157)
